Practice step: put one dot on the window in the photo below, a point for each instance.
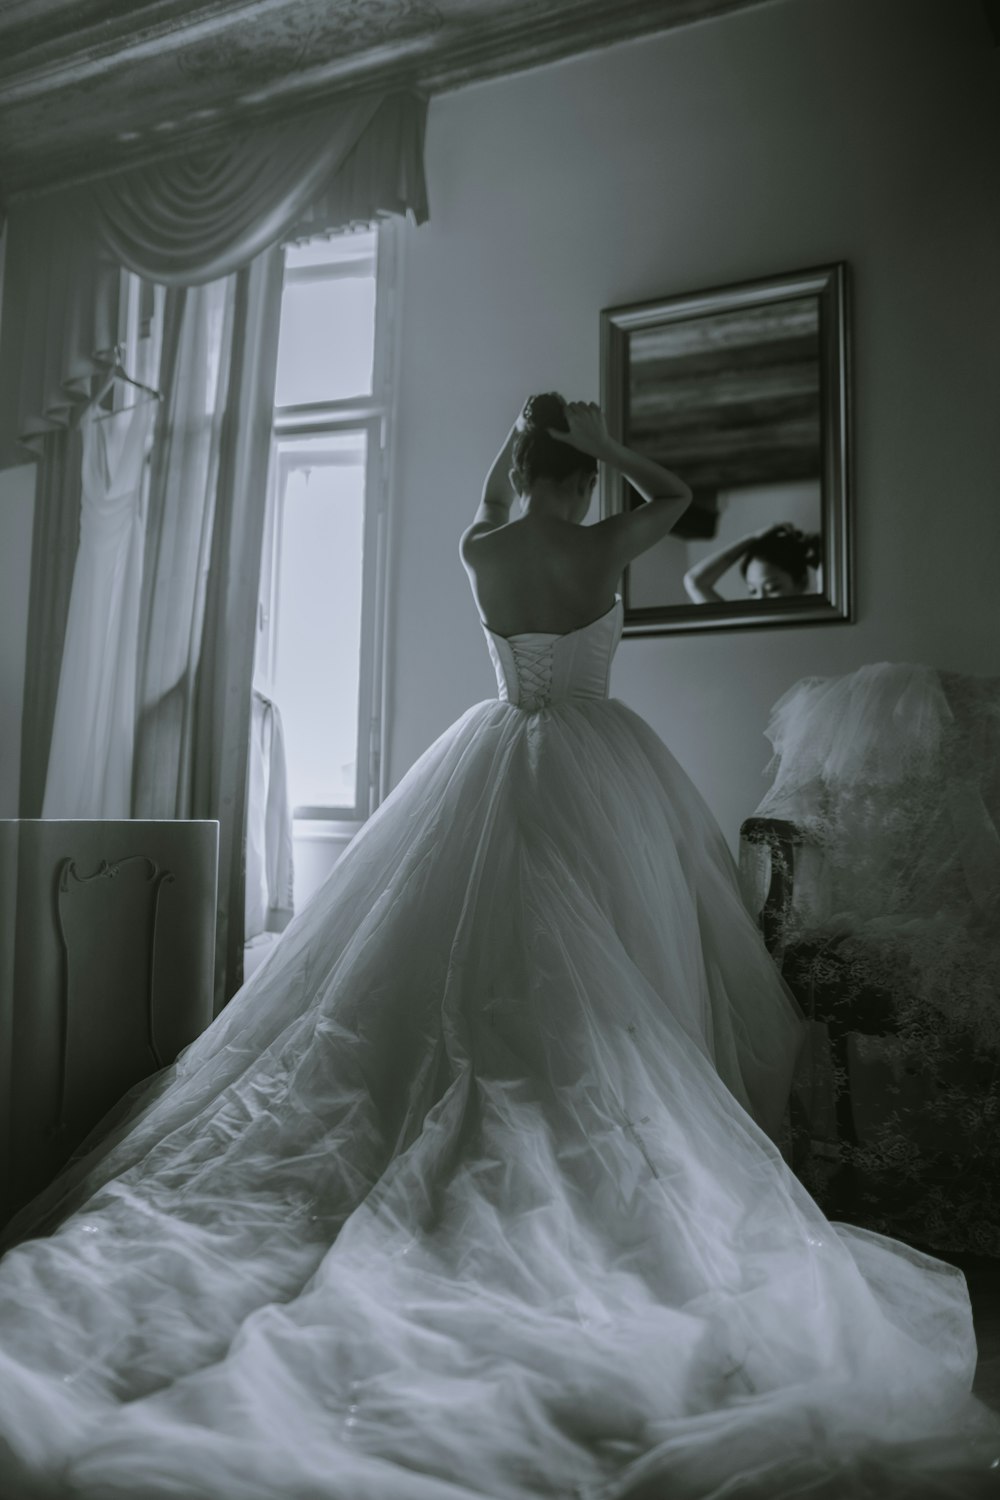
(320, 620)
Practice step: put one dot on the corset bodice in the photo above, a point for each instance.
(537, 668)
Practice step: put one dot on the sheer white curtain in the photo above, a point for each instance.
(197, 339)
(90, 758)
(202, 570)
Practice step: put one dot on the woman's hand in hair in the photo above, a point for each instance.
(586, 429)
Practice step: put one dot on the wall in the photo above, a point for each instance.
(17, 507)
(794, 134)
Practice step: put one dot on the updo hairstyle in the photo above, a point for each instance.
(538, 455)
(785, 547)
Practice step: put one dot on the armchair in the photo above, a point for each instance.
(873, 865)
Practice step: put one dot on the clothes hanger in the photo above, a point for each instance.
(119, 372)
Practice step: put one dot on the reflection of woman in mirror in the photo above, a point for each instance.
(774, 561)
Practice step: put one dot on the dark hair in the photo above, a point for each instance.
(538, 455)
(787, 548)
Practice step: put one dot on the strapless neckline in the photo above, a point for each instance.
(553, 635)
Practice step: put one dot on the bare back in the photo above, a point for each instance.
(539, 574)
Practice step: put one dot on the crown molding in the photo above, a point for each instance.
(115, 89)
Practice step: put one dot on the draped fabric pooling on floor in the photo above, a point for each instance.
(469, 1193)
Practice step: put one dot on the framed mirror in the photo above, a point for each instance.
(742, 391)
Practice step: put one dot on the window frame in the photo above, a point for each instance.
(374, 415)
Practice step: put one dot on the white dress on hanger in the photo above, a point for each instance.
(270, 859)
(90, 759)
(466, 1195)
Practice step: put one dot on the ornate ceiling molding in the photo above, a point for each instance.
(88, 85)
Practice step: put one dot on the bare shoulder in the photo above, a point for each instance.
(474, 534)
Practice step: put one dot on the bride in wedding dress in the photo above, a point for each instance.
(471, 1191)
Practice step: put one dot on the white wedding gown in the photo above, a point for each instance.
(466, 1194)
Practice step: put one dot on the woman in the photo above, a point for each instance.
(469, 1192)
(774, 562)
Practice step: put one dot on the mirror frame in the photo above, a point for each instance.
(835, 605)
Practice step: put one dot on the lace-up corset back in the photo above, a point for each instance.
(536, 668)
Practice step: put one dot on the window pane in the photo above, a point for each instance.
(317, 672)
(327, 338)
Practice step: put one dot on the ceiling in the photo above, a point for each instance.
(90, 85)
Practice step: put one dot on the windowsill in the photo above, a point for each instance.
(325, 830)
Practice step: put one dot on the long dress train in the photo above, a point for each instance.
(469, 1192)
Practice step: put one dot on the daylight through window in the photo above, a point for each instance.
(317, 645)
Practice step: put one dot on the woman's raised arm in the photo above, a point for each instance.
(667, 497)
(498, 494)
(700, 580)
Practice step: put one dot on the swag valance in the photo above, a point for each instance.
(184, 221)
(195, 218)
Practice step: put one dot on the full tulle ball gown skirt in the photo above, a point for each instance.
(470, 1191)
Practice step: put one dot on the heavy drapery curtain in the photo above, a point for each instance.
(59, 322)
(194, 223)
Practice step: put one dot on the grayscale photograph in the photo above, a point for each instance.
(500, 750)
